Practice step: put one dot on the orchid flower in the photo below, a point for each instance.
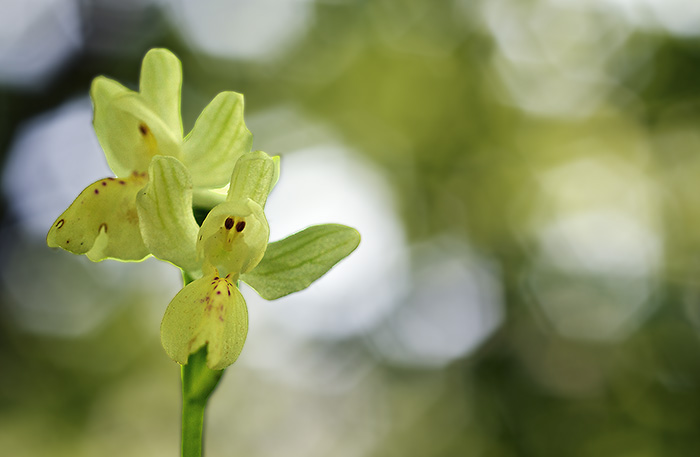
(148, 209)
(136, 130)
(232, 244)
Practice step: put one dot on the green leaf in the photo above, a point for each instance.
(233, 237)
(161, 86)
(254, 176)
(211, 311)
(292, 264)
(164, 206)
(130, 133)
(103, 222)
(218, 139)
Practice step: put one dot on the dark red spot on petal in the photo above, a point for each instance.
(104, 183)
(67, 241)
(97, 191)
(143, 128)
(240, 226)
(218, 292)
(122, 182)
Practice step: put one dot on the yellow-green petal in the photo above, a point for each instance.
(147, 130)
(164, 206)
(218, 139)
(254, 176)
(211, 311)
(161, 85)
(129, 132)
(233, 237)
(103, 221)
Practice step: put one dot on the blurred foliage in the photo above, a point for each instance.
(432, 94)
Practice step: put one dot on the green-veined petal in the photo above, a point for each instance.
(103, 222)
(233, 236)
(161, 86)
(254, 176)
(164, 206)
(218, 139)
(293, 263)
(212, 311)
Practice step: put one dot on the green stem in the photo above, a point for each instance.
(192, 424)
(198, 383)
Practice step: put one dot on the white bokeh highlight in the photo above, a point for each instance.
(598, 248)
(456, 303)
(36, 38)
(240, 29)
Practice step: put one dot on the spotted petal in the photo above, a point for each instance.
(129, 132)
(211, 311)
(103, 222)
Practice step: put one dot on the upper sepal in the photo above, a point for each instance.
(161, 87)
(132, 127)
(292, 264)
(129, 132)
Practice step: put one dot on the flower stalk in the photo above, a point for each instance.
(198, 383)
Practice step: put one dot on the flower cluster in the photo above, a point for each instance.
(147, 209)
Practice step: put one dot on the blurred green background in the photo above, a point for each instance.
(525, 178)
